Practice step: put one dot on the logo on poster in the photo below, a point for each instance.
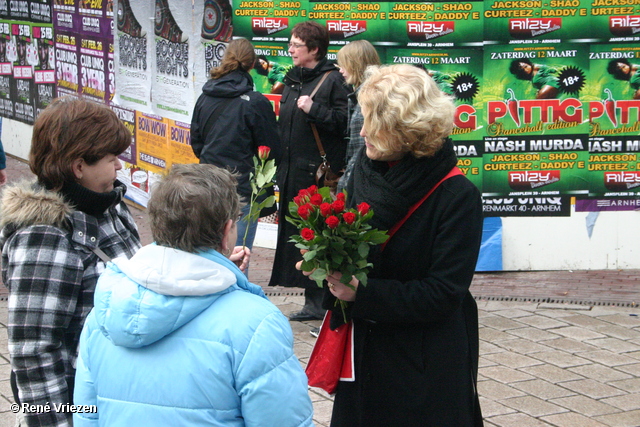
(340, 30)
(266, 26)
(527, 180)
(617, 181)
(624, 25)
(532, 27)
(427, 30)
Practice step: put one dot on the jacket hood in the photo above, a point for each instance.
(26, 203)
(139, 301)
(230, 85)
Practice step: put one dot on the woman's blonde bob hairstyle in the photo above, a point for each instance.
(355, 57)
(404, 110)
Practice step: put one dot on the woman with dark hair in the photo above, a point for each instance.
(622, 69)
(327, 111)
(543, 77)
(231, 120)
(179, 336)
(57, 235)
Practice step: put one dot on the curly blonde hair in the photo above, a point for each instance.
(404, 110)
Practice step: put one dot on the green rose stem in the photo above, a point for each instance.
(260, 180)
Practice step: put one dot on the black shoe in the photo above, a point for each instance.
(315, 332)
(302, 315)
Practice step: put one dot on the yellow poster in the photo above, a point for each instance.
(180, 150)
(152, 135)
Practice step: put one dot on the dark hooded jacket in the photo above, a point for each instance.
(300, 156)
(247, 122)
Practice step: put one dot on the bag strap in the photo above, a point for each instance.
(104, 257)
(316, 135)
(453, 172)
(214, 116)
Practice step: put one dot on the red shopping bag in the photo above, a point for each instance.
(331, 359)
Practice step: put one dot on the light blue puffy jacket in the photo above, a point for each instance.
(180, 339)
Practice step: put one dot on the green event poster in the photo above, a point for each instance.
(273, 62)
(352, 21)
(436, 24)
(537, 125)
(536, 21)
(614, 138)
(614, 21)
(267, 21)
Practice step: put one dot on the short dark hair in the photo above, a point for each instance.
(516, 69)
(616, 72)
(314, 36)
(72, 128)
(189, 207)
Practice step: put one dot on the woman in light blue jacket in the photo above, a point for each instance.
(178, 336)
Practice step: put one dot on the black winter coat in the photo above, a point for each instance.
(246, 123)
(300, 156)
(415, 323)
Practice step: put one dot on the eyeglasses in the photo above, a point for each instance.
(296, 45)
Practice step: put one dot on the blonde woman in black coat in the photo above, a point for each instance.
(415, 323)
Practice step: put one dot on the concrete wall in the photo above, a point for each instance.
(529, 243)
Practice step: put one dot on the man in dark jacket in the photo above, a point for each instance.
(300, 155)
(231, 120)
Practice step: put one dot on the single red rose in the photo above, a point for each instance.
(303, 193)
(325, 209)
(341, 196)
(316, 199)
(298, 200)
(363, 208)
(337, 206)
(303, 211)
(313, 189)
(332, 221)
(307, 234)
(263, 152)
(349, 217)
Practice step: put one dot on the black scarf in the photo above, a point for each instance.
(90, 202)
(392, 191)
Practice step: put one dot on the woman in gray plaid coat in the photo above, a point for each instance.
(56, 235)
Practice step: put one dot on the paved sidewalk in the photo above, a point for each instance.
(557, 348)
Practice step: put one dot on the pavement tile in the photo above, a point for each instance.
(614, 344)
(533, 334)
(609, 358)
(627, 320)
(522, 346)
(491, 408)
(505, 375)
(501, 323)
(542, 389)
(560, 358)
(578, 333)
(600, 373)
(617, 331)
(512, 360)
(487, 348)
(593, 389)
(585, 321)
(495, 390)
(533, 406)
(564, 306)
(623, 419)
(551, 373)
(585, 406)
(571, 419)
(631, 385)
(515, 313)
(627, 402)
(493, 335)
(519, 419)
(569, 345)
(542, 322)
(633, 369)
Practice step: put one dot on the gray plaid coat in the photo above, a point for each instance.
(51, 272)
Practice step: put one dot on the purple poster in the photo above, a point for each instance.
(67, 59)
(93, 67)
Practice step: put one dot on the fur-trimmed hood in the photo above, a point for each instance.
(27, 203)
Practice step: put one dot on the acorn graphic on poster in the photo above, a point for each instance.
(216, 20)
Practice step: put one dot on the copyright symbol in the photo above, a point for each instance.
(15, 408)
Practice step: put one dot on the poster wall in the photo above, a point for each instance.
(547, 93)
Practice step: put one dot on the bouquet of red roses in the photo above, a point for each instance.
(334, 238)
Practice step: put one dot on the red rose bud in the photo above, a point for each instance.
(341, 196)
(313, 189)
(337, 206)
(332, 221)
(303, 212)
(325, 209)
(263, 152)
(316, 199)
(303, 193)
(307, 234)
(298, 200)
(363, 208)
(349, 217)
